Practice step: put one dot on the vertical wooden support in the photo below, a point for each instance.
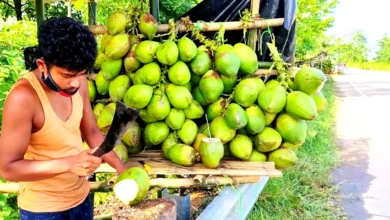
(154, 5)
(252, 36)
(40, 12)
(92, 12)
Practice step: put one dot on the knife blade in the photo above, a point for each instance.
(124, 116)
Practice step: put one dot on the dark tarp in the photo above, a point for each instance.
(228, 10)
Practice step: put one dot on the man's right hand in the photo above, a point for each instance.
(84, 163)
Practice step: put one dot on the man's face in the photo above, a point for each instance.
(68, 81)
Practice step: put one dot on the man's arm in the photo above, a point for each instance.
(92, 134)
(18, 115)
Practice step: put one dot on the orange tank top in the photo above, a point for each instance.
(54, 140)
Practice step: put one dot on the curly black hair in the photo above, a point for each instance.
(67, 43)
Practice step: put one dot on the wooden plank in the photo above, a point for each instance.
(198, 181)
(229, 168)
(205, 26)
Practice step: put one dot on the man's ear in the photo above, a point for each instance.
(41, 65)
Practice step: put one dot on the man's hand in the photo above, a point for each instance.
(84, 163)
(91, 133)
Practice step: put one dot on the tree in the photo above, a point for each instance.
(383, 54)
(313, 19)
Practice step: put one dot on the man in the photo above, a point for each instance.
(45, 117)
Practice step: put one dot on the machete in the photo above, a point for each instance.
(124, 116)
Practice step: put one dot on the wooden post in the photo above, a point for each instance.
(154, 5)
(92, 12)
(40, 12)
(252, 36)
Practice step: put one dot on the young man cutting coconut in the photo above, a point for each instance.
(45, 117)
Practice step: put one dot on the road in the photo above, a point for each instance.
(363, 135)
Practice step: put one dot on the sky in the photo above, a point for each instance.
(371, 16)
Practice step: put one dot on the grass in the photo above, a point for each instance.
(305, 191)
(371, 66)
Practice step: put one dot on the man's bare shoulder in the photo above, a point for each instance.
(22, 95)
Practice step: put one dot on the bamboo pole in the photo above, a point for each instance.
(206, 26)
(252, 36)
(200, 181)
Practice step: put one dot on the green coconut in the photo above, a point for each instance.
(111, 69)
(175, 118)
(269, 118)
(187, 49)
(291, 129)
(101, 57)
(309, 80)
(220, 129)
(148, 25)
(182, 154)
(198, 96)
(179, 74)
(168, 53)
(268, 140)
(168, 143)
(121, 151)
(97, 109)
(283, 158)
(156, 132)
(215, 109)
(146, 51)
(116, 22)
(102, 85)
(227, 62)
(272, 99)
(91, 90)
(257, 156)
(178, 96)
(228, 83)
(201, 63)
(187, 133)
(241, 146)
(320, 100)
(256, 119)
(194, 111)
(246, 92)
(247, 57)
(138, 96)
(211, 86)
(159, 106)
(118, 87)
(132, 138)
(146, 117)
(132, 186)
(149, 74)
(301, 106)
(118, 46)
(130, 62)
(235, 116)
(211, 151)
(198, 140)
(106, 116)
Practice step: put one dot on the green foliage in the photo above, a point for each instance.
(8, 205)
(15, 35)
(306, 191)
(313, 19)
(383, 54)
(379, 66)
(174, 8)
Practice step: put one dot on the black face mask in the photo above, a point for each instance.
(49, 82)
